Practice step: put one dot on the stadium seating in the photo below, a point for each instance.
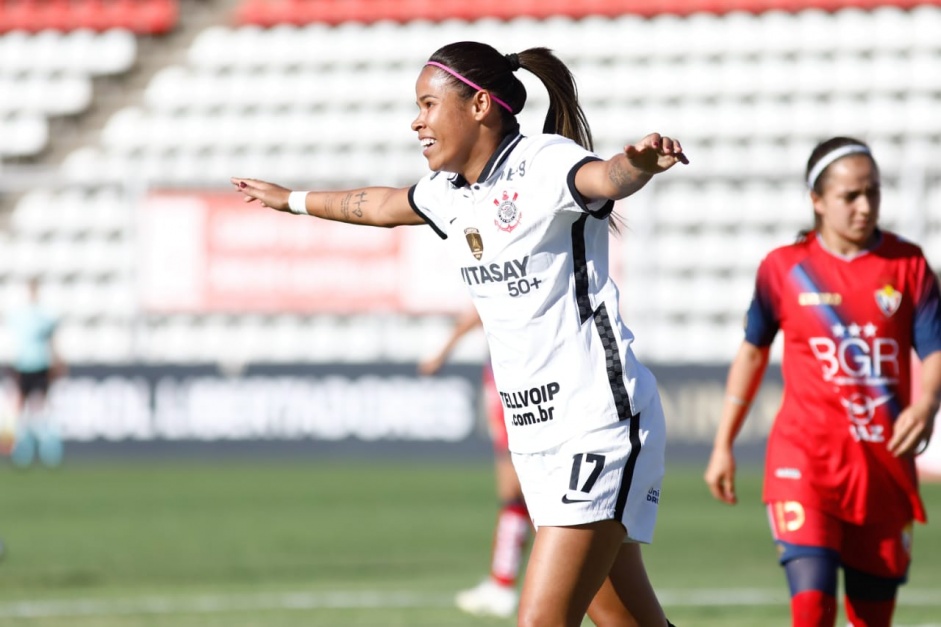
(78, 52)
(50, 75)
(300, 99)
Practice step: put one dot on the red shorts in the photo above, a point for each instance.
(883, 549)
(493, 406)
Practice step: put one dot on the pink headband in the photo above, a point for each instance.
(470, 83)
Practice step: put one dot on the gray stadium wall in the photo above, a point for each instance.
(337, 406)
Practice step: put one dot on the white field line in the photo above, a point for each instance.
(210, 604)
(223, 603)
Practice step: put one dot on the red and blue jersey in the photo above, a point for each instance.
(850, 325)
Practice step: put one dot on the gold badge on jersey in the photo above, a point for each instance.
(475, 242)
(889, 299)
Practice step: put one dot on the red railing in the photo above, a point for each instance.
(139, 16)
(272, 12)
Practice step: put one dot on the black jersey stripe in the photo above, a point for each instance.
(431, 223)
(628, 478)
(580, 261)
(601, 212)
(622, 401)
(612, 356)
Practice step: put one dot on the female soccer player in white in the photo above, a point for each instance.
(526, 220)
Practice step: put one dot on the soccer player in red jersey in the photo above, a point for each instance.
(852, 301)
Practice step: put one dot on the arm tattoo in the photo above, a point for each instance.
(359, 202)
(352, 203)
(619, 175)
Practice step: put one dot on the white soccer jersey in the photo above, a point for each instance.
(534, 257)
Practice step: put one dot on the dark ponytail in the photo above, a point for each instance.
(565, 116)
(483, 65)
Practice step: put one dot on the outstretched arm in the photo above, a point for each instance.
(744, 378)
(625, 173)
(373, 206)
(466, 323)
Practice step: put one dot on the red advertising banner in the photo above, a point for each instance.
(210, 252)
(204, 252)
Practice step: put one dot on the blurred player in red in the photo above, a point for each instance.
(852, 301)
(497, 594)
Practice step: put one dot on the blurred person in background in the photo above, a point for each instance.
(36, 364)
(526, 220)
(852, 301)
(496, 595)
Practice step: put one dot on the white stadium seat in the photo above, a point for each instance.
(31, 215)
(925, 23)
(23, 135)
(44, 94)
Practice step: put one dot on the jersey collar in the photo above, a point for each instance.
(497, 159)
(876, 244)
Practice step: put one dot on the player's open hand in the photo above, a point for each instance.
(268, 194)
(720, 475)
(432, 365)
(655, 153)
(912, 429)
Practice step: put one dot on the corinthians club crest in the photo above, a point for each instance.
(475, 242)
(889, 299)
(508, 214)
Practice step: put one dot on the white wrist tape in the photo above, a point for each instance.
(297, 203)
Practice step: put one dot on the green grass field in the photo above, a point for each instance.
(348, 544)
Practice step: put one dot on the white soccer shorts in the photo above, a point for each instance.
(612, 473)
